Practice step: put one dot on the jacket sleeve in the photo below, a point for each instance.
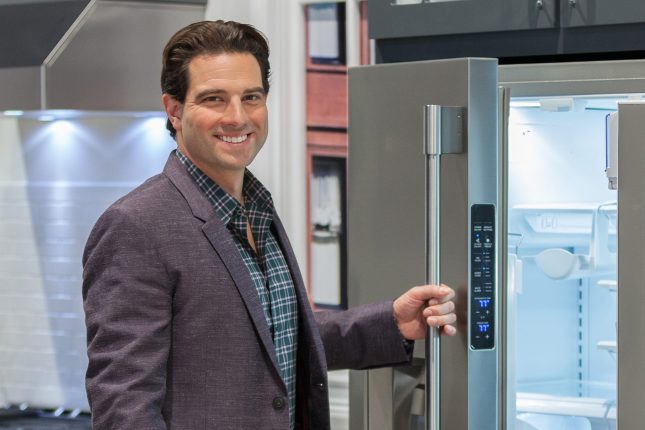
(363, 337)
(127, 299)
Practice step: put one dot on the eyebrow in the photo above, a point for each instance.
(255, 90)
(210, 92)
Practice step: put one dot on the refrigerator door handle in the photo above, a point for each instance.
(443, 129)
(443, 134)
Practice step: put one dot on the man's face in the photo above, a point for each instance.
(223, 122)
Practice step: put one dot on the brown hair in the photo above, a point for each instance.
(204, 38)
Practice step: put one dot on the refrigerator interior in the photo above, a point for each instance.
(58, 172)
(562, 265)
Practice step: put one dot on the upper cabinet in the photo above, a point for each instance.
(576, 13)
(510, 30)
(409, 18)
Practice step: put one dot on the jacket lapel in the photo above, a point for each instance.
(222, 241)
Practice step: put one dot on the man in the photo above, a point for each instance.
(197, 315)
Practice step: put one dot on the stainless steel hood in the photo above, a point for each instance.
(86, 54)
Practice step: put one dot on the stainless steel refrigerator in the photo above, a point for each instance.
(523, 188)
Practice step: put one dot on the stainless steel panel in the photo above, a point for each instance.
(113, 61)
(20, 88)
(483, 366)
(357, 399)
(386, 205)
(631, 266)
(108, 59)
(601, 77)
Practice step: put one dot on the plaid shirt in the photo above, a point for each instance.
(268, 267)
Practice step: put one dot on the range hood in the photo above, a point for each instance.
(96, 55)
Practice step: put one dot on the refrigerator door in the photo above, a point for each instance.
(631, 264)
(399, 180)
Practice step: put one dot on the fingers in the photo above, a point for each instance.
(438, 293)
(438, 321)
(439, 309)
(444, 323)
(449, 330)
(445, 294)
(441, 313)
(408, 305)
(433, 303)
(436, 300)
(448, 292)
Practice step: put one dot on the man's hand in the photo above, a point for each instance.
(427, 305)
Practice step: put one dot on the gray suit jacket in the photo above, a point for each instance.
(175, 329)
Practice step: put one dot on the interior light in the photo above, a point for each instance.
(525, 104)
(46, 118)
(61, 128)
(14, 113)
(562, 104)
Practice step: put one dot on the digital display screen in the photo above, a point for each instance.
(482, 277)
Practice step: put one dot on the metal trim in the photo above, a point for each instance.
(69, 35)
(504, 97)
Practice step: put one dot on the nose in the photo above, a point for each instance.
(235, 114)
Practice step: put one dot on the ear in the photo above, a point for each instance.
(174, 110)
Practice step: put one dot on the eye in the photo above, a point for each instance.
(253, 98)
(211, 99)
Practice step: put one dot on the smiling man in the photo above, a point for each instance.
(197, 315)
(222, 123)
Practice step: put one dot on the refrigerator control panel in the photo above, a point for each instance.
(482, 276)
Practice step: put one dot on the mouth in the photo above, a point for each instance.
(233, 139)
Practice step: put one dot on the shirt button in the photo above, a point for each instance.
(278, 403)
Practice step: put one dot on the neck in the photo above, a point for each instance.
(231, 181)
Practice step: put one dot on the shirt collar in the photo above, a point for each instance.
(256, 196)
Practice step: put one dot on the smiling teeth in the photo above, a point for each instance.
(234, 139)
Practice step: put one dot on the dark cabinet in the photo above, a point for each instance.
(412, 18)
(514, 31)
(391, 18)
(576, 13)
